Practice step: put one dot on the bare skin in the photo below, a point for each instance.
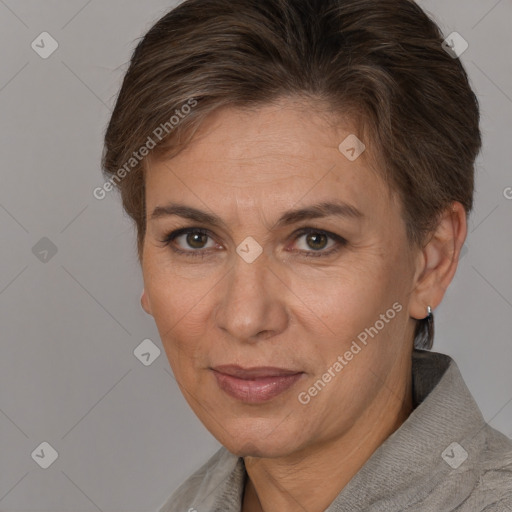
(290, 307)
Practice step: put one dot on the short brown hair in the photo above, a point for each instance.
(380, 63)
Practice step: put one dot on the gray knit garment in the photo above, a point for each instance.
(443, 458)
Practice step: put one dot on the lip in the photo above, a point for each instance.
(253, 372)
(255, 385)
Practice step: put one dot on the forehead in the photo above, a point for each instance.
(281, 154)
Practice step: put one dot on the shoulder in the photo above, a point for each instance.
(202, 484)
(493, 490)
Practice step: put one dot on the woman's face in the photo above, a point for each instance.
(254, 289)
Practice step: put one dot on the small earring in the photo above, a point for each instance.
(430, 328)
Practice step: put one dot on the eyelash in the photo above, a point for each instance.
(170, 237)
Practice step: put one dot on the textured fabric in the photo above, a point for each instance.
(418, 468)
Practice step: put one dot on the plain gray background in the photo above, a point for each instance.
(70, 321)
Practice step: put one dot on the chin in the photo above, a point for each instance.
(258, 450)
(254, 445)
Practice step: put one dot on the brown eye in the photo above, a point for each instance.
(317, 241)
(196, 240)
(189, 241)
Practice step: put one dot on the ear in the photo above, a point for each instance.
(438, 260)
(144, 302)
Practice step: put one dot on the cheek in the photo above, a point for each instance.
(346, 295)
(181, 325)
(173, 292)
(178, 308)
(348, 308)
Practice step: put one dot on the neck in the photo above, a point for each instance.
(312, 479)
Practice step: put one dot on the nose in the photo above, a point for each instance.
(252, 302)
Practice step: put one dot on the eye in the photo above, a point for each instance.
(316, 241)
(191, 241)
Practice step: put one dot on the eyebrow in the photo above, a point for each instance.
(315, 211)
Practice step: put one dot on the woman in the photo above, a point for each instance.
(300, 174)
